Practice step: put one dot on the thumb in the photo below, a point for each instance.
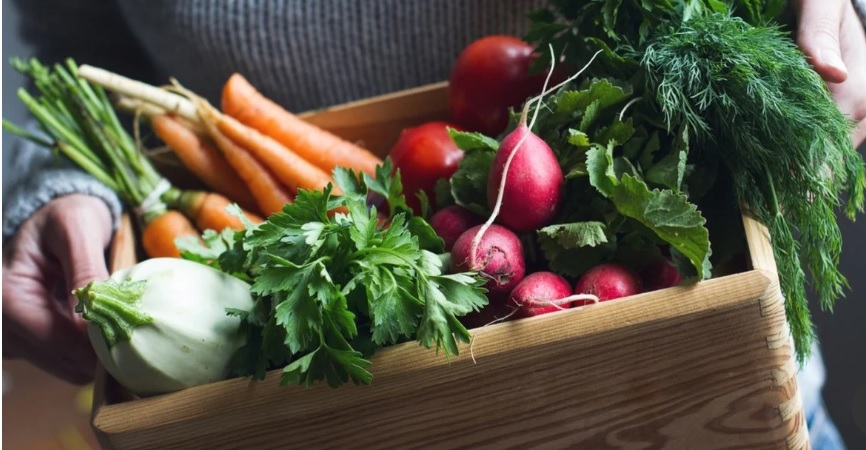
(818, 36)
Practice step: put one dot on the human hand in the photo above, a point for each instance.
(60, 248)
(832, 36)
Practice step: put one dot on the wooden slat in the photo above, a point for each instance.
(683, 368)
(376, 122)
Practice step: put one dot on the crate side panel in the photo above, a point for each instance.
(707, 379)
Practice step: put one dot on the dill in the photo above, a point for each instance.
(748, 94)
(739, 85)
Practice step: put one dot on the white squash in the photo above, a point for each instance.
(161, 325)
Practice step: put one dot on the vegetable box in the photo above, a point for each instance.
(709, 365)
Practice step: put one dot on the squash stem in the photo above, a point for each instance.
(113, 307)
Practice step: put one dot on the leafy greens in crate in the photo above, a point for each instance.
(694, 109)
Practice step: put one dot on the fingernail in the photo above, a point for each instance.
(833, 60)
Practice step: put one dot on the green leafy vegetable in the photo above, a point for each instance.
(748, 94)
(719, 95)
(668, 214)
(331, 288)
(469, 182)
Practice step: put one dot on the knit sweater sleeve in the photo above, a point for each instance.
(860, 6)
(39, 177)
(90, 31)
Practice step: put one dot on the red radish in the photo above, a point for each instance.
(490, 75)
(452, 221)
(660, 274)
(608, 281)
(540, 293)
(425, 154)
(498, 256)
(533, 185)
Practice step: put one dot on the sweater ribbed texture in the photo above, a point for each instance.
(304, 54)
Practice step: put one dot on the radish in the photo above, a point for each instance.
(520, 194)
(498, 256)
(452, 221)
(660, 274)
(541, 293)
(608, 281)
(532, 187)
(528, 197)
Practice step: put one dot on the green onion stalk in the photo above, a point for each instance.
(81, 124)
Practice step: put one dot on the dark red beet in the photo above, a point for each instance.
(608, 281)
(452, 221)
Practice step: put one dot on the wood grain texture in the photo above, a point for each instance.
(376, 123)
(706, 366)
(682, 368)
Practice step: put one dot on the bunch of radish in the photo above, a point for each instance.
(525, 191)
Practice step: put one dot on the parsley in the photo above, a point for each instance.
(332, 288)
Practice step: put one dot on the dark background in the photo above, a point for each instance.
(842, 334)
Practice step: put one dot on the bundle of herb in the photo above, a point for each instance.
(742, 104)
(332, 287)
(749, 96)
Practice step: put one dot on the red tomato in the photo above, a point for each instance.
(489, 76)
(425, 154)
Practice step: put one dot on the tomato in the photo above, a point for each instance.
(424, 155)
(489, 76)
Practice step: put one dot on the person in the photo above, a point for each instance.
(57, 222)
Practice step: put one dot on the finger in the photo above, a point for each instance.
(818, 37)
(64, 358)
(35, 327)
(79, 242)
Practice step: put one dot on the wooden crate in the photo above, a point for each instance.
(696, 367)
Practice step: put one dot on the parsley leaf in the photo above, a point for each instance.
(389, 186)
(448, 297)
(330, 289)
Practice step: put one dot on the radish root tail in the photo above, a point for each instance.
(476, 241)
(495, 321)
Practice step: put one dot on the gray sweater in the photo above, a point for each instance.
(304, 54)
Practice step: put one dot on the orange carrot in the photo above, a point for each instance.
(270, 195)
(207, 209)
(241, 100)
(202, 159)
(292, 170)
(159, 234)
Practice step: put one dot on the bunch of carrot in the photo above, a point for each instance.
(253, 151)
(80, 122)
